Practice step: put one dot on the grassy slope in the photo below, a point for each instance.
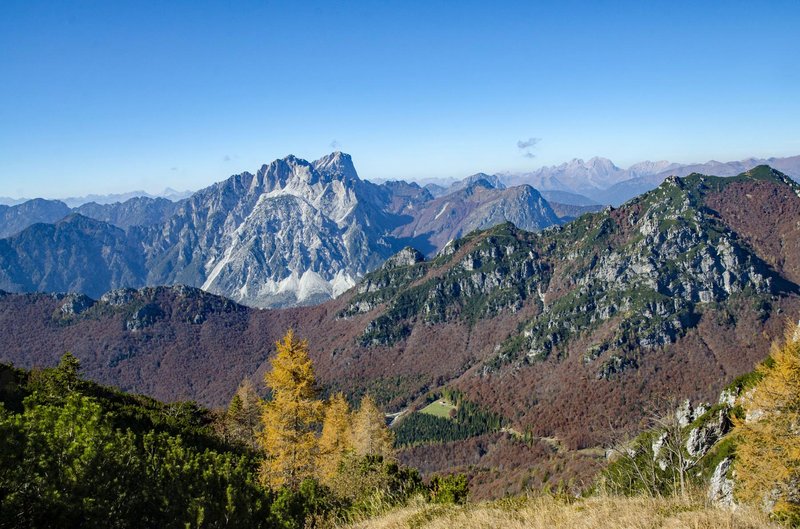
(439, 408)
(547, 512)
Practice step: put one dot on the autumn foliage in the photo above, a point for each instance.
(768, 452)
(291, 416)
(304, 437)
(336, 438)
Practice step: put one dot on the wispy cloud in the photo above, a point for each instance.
(526, 146)
(335, 145)
(227, 158)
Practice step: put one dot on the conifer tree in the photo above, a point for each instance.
(768, 453)
(336, 438)
(371, 437)
(291, 417)
(242, 420)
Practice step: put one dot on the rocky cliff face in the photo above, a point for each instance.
(293, 233)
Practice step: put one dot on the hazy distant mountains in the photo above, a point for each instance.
(295, 232)
(599, 180)
(74, 202)
(137, 211)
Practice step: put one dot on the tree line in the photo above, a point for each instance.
(76, 454)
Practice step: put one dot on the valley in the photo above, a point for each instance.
(562, 333)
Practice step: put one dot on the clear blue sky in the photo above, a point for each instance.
(111, 96)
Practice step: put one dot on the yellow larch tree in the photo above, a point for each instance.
(371, 437)
(768, 452)
(292, 416)
(336, 438)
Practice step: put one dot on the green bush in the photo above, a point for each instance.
(449, 489)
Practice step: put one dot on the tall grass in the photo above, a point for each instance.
(546, 512)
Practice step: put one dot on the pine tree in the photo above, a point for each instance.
(371, 437)
(291, 417)
(768, 453)
(336, 439)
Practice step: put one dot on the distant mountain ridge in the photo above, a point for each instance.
(602, 181)
(74, 202)
(293, 233)
(136, 211)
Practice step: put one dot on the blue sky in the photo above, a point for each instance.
(114, 96)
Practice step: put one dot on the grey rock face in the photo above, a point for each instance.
(118, 297)
(144, 317)
(687, 413)
(720, 488)
(75, 304)
(406, 257)
(727, 398)
(703, 437)
(293, 233)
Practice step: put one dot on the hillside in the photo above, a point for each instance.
(562, 333)
(75, 453)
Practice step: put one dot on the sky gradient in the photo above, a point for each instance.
(99, 97)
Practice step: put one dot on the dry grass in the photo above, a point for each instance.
(546, 512)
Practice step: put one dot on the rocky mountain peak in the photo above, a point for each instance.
(492, 181)
(406, 257)
(598, 162)
(337, 166)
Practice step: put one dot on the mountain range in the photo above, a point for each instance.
(599, 180)
(297, 232)
(73, 202)
(293, 233)
(562, 332)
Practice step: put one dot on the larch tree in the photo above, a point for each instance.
(336, 438)
(243, 416)
(768, 452)
(371, 437)
(291, 418)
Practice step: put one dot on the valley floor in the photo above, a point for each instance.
(546, 512)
